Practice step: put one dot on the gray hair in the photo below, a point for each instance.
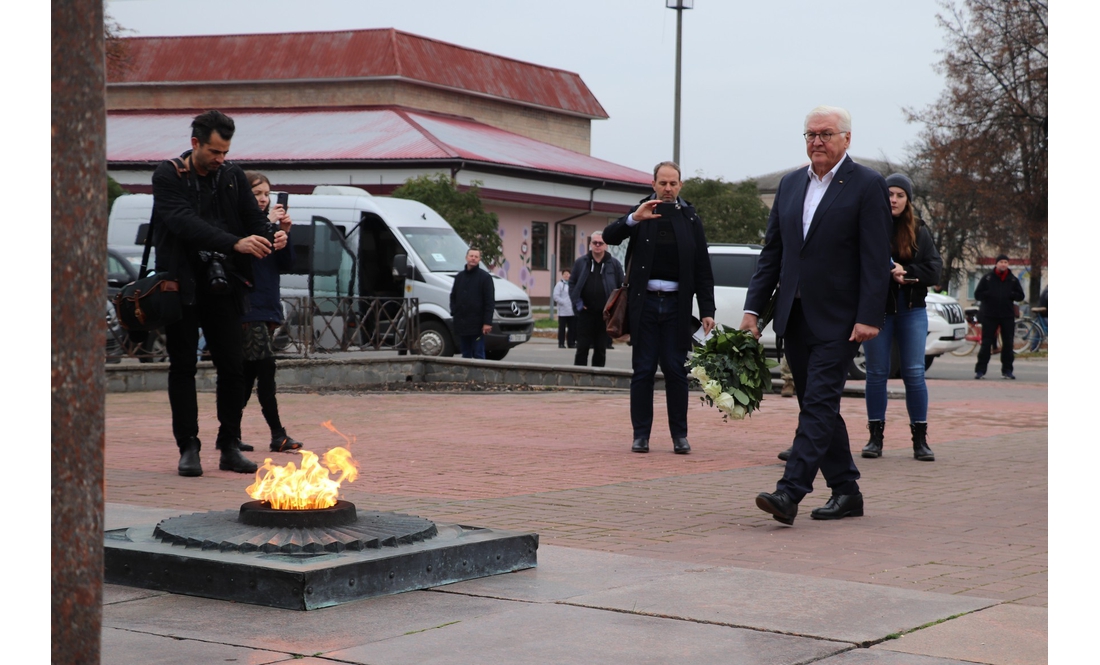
(594, 234)
(845, 118)
(670, 165)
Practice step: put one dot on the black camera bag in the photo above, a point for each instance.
(151, 302)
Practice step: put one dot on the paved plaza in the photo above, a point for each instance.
(651, 558)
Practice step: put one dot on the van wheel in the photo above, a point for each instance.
(496, 354)
(928, 361)
(435, 340)
(857, 371)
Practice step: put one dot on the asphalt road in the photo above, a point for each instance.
(545, 351)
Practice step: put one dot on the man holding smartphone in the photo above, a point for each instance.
(207, 228)
(668, 266)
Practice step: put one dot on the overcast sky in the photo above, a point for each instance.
(751, 70)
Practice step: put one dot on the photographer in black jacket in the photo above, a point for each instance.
(206, 228)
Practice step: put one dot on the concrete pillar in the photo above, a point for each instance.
(78, 290)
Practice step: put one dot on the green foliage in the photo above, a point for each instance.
(731, 212)
(733, 371)
(463, 210)
(114, 190)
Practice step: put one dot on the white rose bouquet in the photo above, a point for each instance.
(733, 372)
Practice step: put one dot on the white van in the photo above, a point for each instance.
(346, 242)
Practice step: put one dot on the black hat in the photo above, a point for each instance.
(903, 181)
(1001, 257)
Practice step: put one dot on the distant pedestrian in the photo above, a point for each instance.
(595, 275)
(472, 306)
(998, 292)
(567, 329)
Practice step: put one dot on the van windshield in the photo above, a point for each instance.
(441, 249)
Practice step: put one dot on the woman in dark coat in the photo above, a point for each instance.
(667, 265)
(916, 265)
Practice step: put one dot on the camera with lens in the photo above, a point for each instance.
(216, 280)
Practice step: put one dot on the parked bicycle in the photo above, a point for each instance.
(1029, 335)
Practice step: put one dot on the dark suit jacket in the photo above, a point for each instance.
(842, 269)
(696, 279)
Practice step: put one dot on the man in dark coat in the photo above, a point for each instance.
(207, 228)
(669, 265)
(595, 275)
(472, 301)
(827, 242)
(998, 292)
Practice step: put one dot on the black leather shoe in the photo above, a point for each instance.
(241, 445)
(640, 446)
(680, 445)
(233, 460)
(284, 444)
(838, 506)
(786, 454)
(190, 465)
(779, 505)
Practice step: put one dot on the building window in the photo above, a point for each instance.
(567, 244)
(539, 233)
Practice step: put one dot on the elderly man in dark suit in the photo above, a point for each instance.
(827, 242)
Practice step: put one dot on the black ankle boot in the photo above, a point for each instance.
(874, 445)
(233, 460)
(921, 450)
(190, 465)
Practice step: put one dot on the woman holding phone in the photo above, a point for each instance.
(265, 316)
(915, 265)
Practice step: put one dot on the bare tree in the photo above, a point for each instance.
(984, 146)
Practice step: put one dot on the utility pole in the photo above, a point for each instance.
(679, 6)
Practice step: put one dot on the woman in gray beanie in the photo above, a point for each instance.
(916, 265)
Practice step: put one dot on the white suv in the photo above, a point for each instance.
(734, 265)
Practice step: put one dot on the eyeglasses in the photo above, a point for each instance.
(597, 243)
(824, 136)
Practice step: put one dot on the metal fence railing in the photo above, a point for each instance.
(311, 326)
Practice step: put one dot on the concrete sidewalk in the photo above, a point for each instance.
(644, 558)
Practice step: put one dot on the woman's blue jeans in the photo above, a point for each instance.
(910, 329)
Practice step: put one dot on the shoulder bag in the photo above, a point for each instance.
(152, 301)
(614, 312)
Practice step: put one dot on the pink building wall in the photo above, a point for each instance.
(515, 233)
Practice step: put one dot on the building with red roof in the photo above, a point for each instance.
(372, 108)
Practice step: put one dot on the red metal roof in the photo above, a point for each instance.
(353, 54)
(338, 136)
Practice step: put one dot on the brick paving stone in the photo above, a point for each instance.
(972, 522)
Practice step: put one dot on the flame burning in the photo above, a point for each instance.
(310, 487)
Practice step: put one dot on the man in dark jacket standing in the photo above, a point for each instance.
(472, 306)
(997, 292)
(595, 275)
(207, 227)
(669, 265)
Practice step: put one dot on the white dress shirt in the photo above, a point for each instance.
(815, 191)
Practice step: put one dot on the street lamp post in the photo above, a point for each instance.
(679, 6)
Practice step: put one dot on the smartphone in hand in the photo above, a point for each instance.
(665, 209)
(281, 199)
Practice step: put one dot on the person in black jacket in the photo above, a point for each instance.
(916, 265)
(669, 265)
(998, 293)
(472, 302)
(207, 228)
(264, 318)
(595, 275)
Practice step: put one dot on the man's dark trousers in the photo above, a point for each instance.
(989, 337)
(819, 368)
(655, 343)
(472, 346)
(219, 317)
(591, 334)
